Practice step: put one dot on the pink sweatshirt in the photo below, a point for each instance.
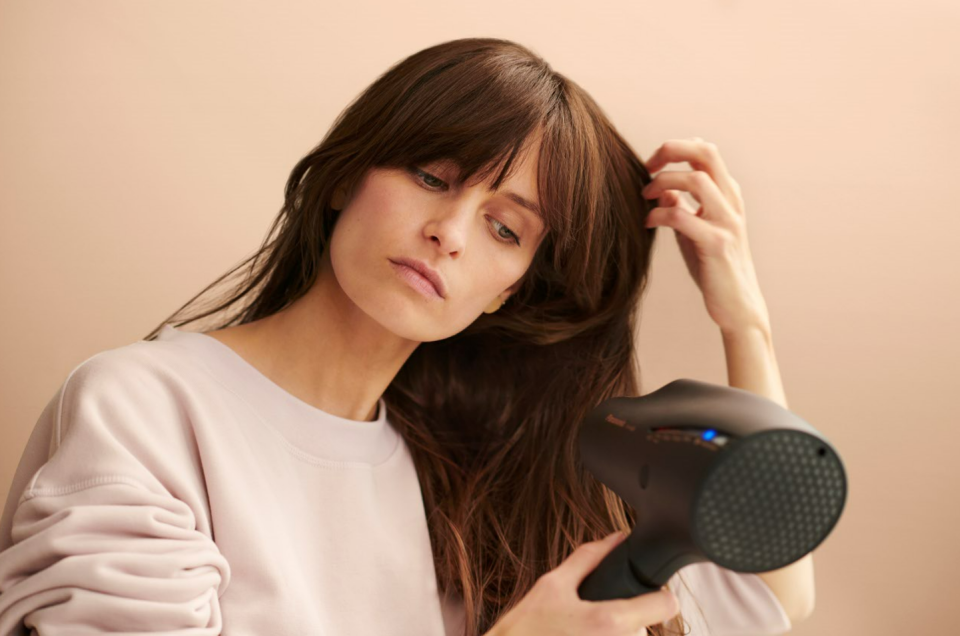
(169, 487)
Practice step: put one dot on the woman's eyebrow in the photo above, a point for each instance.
(533, 207)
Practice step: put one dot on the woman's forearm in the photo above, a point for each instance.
(752, 366)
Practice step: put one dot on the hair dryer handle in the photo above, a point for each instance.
(614, 578)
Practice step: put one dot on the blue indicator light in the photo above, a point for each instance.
(709, 434)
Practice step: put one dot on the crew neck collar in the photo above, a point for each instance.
(319, 435)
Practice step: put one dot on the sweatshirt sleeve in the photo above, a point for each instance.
(111, 532)
(722, 602)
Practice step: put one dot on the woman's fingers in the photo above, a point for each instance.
(647, 609)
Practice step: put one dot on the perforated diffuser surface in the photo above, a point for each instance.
(769, 501)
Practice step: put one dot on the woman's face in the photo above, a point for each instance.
(468, 234)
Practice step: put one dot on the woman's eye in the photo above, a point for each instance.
(515, 239)
(421, 173)
(425, 177)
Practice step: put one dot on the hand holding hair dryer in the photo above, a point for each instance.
(714, 473)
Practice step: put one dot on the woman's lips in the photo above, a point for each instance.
(413, 278)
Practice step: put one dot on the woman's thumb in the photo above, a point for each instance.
(588, 556)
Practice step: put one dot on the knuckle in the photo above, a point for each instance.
(700, 177)
(707, 146)
(552, 584)
(602, 621)
(548, 581)
(723, 239)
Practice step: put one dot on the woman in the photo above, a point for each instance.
(380, 435)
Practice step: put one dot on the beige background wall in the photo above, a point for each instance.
(144, 147)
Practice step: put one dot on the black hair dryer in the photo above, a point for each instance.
(714, 473)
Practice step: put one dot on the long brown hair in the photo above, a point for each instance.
(491, 415)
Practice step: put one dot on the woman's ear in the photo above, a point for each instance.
(511, 290)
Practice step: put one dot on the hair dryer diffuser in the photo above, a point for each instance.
(714, 473)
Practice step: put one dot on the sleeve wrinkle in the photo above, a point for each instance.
(110, 533)
(108, 556)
